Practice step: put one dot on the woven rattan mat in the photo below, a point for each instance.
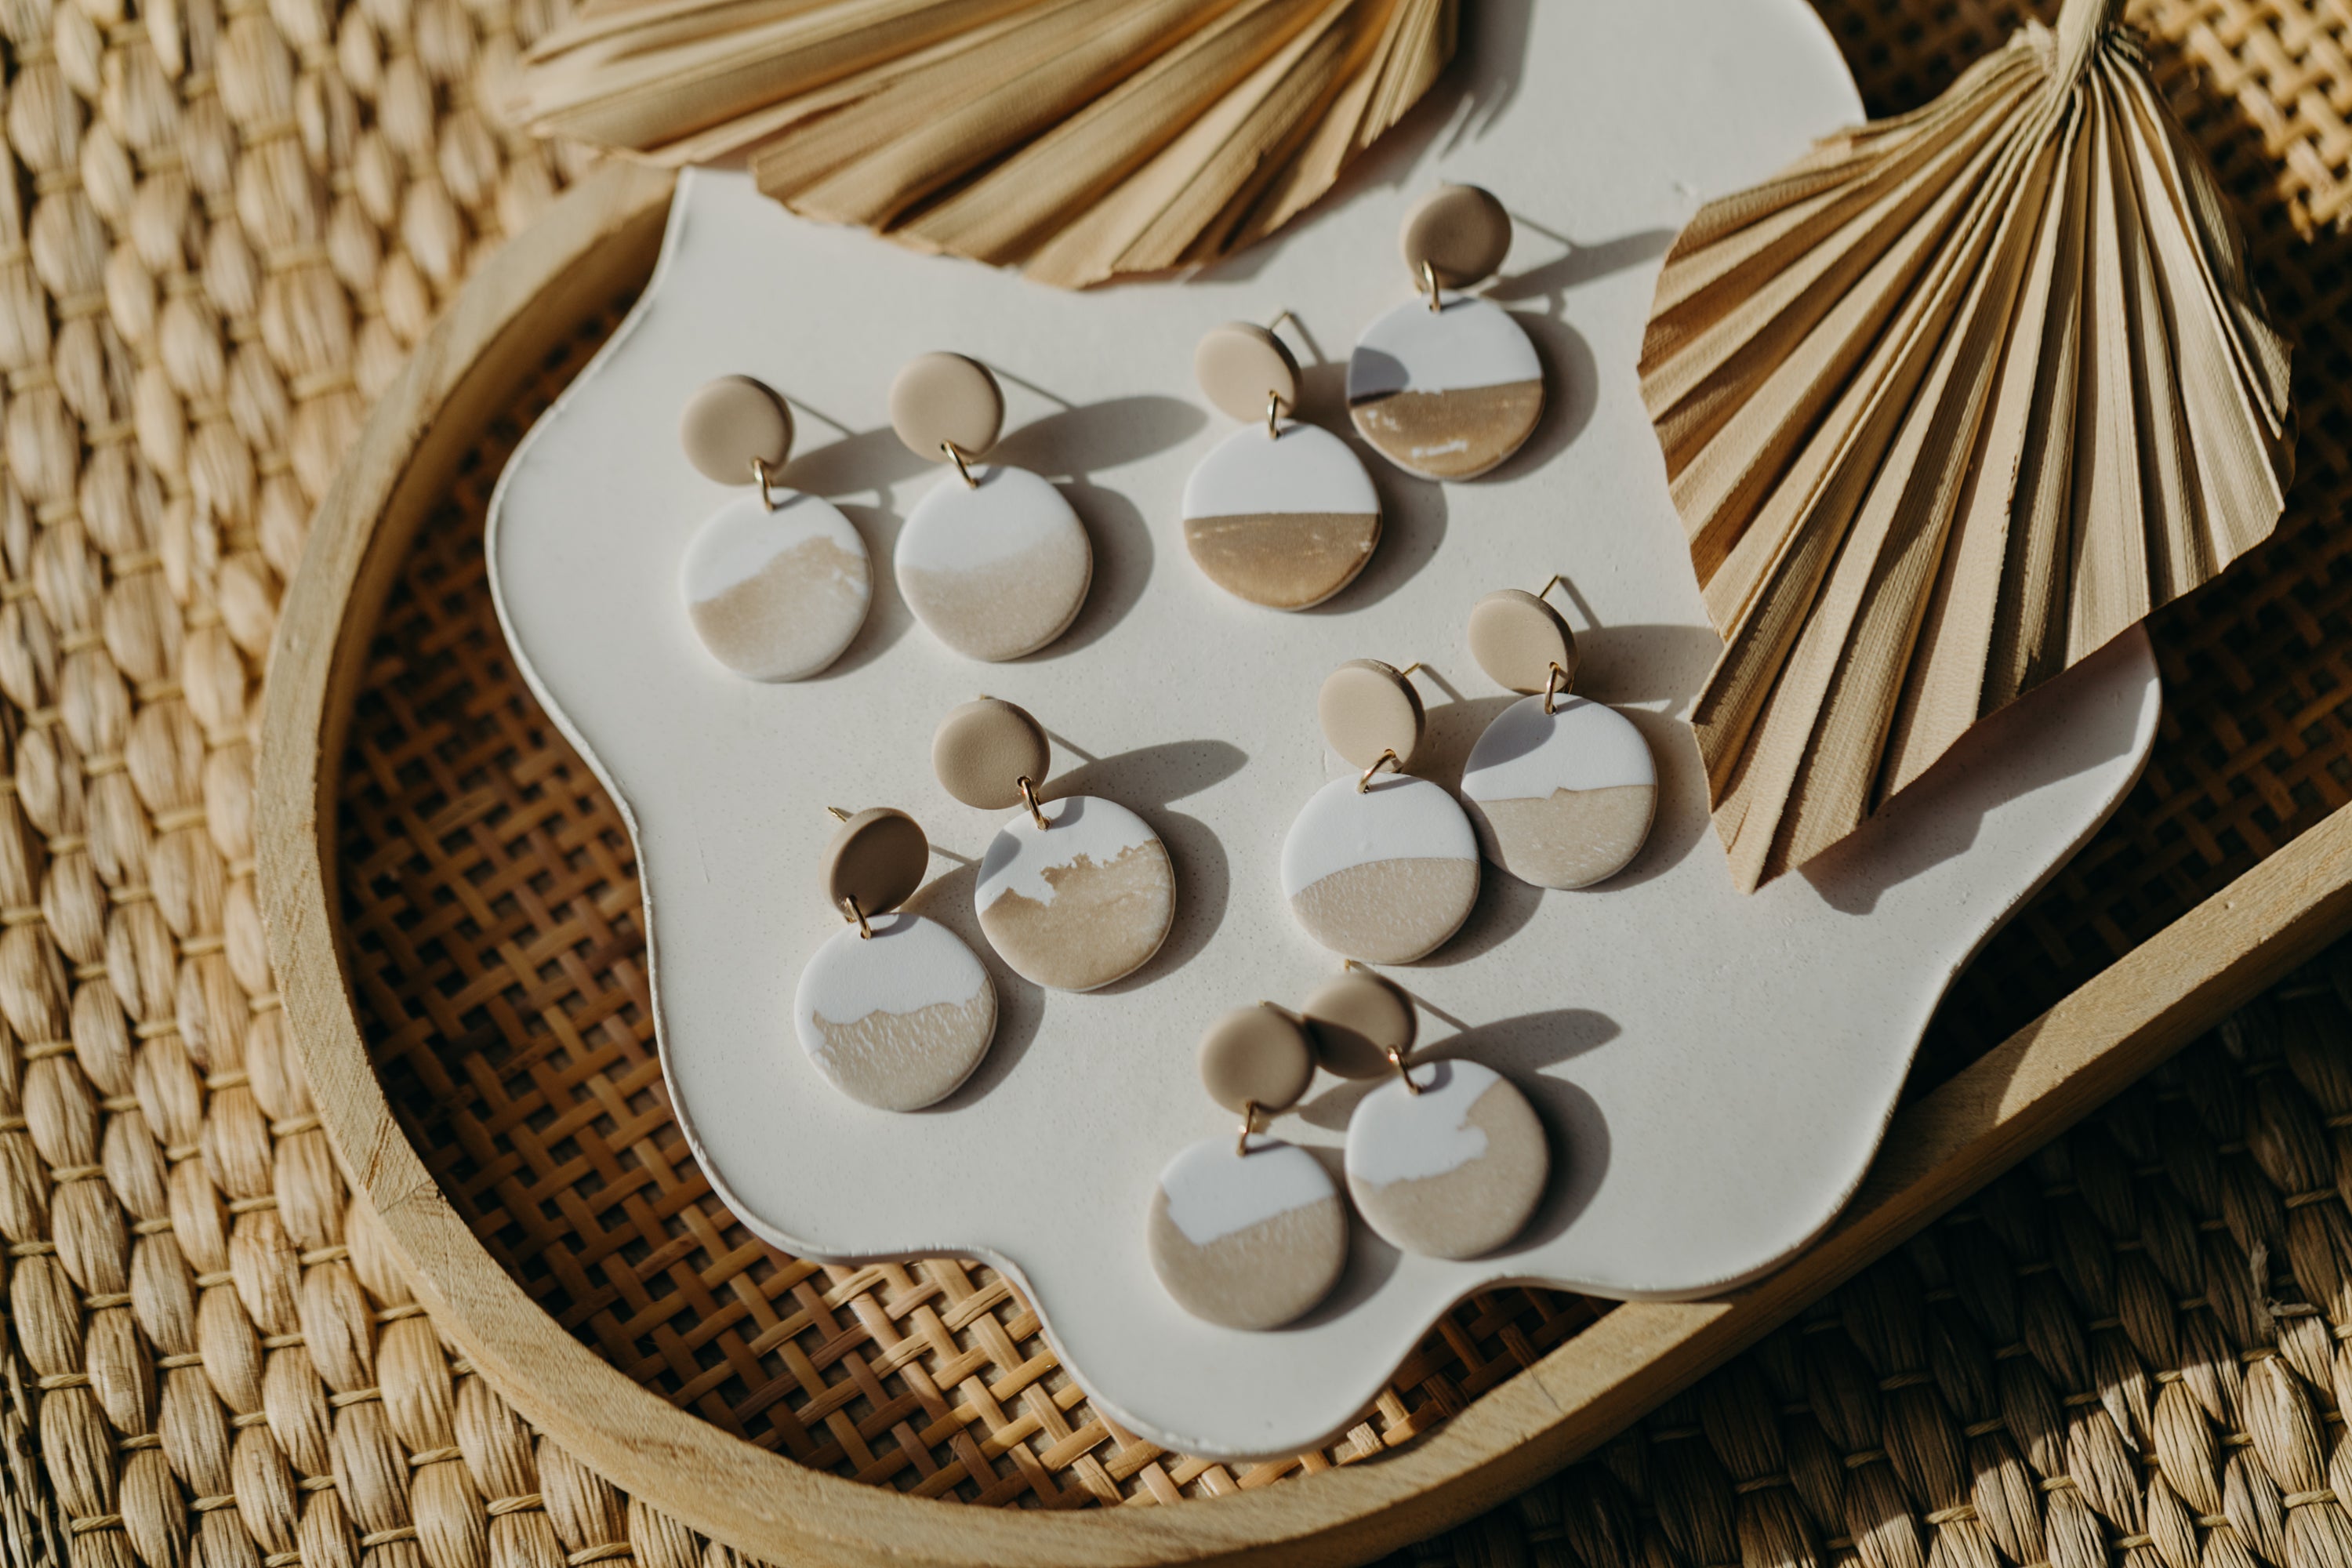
(225, 228)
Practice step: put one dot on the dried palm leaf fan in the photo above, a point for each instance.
(1947, 407)
(1080, 140)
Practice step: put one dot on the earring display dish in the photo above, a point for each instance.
(1712, 1069)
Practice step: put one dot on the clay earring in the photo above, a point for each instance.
(776, 583)
(1074, 893)
(1382, 868)
(994, 562)
(1447, 388)
(1248, 1231)
(1280, 513)
(894, 1009)
(1447, 1157)
(1560, 789)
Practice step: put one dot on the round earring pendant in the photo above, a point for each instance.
(776, 593)
(1081, 902)
(996, 571)
(1248, 1241)
(1285, 522)
(1454, 1170)
(896, 1021)
(1385, 874)
(1445, 393)
(1562, 799)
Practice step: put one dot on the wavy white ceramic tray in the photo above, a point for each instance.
(1714, 1071)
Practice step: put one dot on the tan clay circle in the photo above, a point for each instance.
(942, 397)
(984, 750)
(1239, 363)
(1368, 708)
(878, 857)
(1516, 639)
(1355, 1017)
(1255, 1055)
(1461, 231)
(728, 422)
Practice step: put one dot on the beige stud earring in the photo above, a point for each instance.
(994, 562)
(1562, 789)
(894, 1010)
(776, 583)
(1448, 386)
(1246, 1230)
(1279, 513)
(1446, 1159)
(1378, 865)
(1076, 891)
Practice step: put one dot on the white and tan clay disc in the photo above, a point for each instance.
(1249, 1241)
(994, 572)
(1386, 875)
(1447, 394)
(897, 1021)
(776, 594)
(1081, 902)
(1285, 521)
(1562, 799)
(1453, 1172)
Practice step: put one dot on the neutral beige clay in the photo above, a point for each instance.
(984, 748)
(1570, 838)
(1368, 708)
(1356, 1018)
(1389, 912)
(1462, 233)
(905, 1061)
(1240, 366)
(1258, 1277)
(1256, 1056)
(877, 857)
(728, 422)
(1456, 435)
(1283, 560)
(1516, 637)
(1007, 608)
(1103, 921)
(940, 398)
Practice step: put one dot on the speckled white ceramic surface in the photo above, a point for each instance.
(1714, 1072)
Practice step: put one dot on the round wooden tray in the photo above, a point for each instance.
(1462, 1433)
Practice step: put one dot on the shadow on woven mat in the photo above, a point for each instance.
(226, 229)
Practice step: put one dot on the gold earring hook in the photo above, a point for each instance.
(1429, 282)
(955, 456)
(865, 931)
(1396, 1060)
(1408, 669)
(1250, 1108)
(1554, 581)
(760, 478)
(838, 814)
(1554, 682)
(1279, 317)
(1273, 412)
(1029, 799)
(1386, 759)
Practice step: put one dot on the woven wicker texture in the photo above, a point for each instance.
(223, 231)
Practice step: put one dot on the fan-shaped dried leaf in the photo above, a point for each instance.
(1079, 138)
(1947, 407)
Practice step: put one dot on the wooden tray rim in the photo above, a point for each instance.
(535, 291)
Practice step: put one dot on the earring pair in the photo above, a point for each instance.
(1446, 1159)
(995, 564)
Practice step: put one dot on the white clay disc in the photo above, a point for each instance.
(899, 1020)
(1082, 903)
(996, 572)
(1446, 393)
(1386, 875)
(776, 594)
(1249, 1241)
(1562, 799)
(1285, 521)
(1451, 1172)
